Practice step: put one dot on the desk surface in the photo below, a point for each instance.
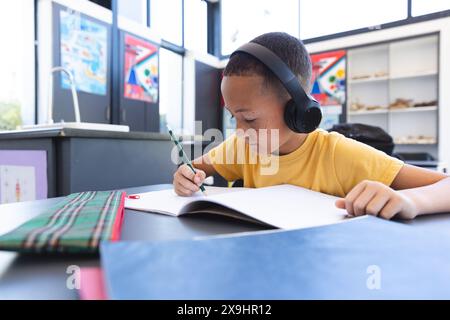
(37, 277)
(44, 277)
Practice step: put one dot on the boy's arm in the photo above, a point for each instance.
(414, 191)
(203, 163)
(429, 190)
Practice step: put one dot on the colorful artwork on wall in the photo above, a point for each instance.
(141, 70)
(329, 77)
(18, 184)
(23, 175)
(84, 48)
(329, 80)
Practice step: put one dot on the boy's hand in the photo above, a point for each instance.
(377, 199)
(185, 182)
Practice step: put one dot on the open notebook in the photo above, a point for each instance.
(282, 206)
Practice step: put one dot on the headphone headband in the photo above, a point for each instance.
(302, 113)
(278, 67)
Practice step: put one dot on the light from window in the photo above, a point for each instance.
(133, 10)
(195, 25)
(170, 90)
(421, 7)
(324, 17)
(16, 63)
(244, 20)
(166, 20)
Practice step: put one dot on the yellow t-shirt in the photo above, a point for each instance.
(325, 162)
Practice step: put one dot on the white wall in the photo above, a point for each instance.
(440, 25)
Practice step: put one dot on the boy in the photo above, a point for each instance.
(367, 180)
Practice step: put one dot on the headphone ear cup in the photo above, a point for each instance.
(302, 119)
(291, 115)
(312, 117)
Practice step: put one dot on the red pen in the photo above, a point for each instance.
(133, 196)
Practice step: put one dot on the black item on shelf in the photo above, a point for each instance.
(418, 159)
(414, 156)
(370, 135)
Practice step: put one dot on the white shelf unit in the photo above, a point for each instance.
(385, 110)
(406, 69)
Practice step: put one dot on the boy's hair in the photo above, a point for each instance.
(288, 48)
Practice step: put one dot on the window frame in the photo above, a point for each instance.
(409, 20)
(214, 28)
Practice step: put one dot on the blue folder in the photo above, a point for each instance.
(366, 258)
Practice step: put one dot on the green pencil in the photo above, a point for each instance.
(183, 156)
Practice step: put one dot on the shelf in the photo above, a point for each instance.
(416, 144)
(386, 111)
(365, 112)
(415, 141)
(368, 80)
(402, 73)
(414, 75)
(414, 109)
(374, 79)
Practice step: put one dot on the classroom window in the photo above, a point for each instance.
(195, 25)
(421, 7)
(104, 3)
(166, 20)
(134, 10)
(324, 17)
(170, 90)
(244, 20)
(17, 105)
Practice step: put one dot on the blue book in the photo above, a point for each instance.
(359, 259)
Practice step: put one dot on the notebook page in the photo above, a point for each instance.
(169, 203)
(284, 206)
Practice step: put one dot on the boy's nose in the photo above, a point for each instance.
(244, 127)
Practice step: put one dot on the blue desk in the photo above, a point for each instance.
(364, 258)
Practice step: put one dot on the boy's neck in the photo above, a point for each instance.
(295, 142)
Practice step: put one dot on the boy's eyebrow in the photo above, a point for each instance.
(242, 110)
(238, 110)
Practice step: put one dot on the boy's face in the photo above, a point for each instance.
(256, 106)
